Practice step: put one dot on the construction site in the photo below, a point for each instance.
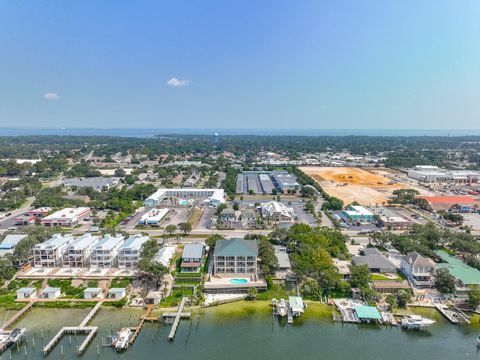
(367, 187)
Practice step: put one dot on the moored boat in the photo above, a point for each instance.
(416, 322)
(282, 307)
(121, 340)
(16, 335)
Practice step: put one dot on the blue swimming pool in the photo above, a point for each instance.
(238, 281)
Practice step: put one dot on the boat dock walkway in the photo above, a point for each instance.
(451, 315)
(136, 329)
(91, 331)
(17, 316)
(178, 316)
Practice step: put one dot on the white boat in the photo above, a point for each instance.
(478, 342)
(416, 322)
(121, 340)
(16, 335)
(282, 307)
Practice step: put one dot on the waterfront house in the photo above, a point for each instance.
(165, 255)
(419, 270)
(192, 257)
(375, 260)
(235, 257)
(77, 253)
(129, 251)
(51, 293)
(26, 293)
(116, 293)
(50, 253)
(104, 253)
(389, 286)
(343, 268)
(284, 267)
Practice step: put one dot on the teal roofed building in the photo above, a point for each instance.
(235, 257)
(464, 273)
(367, 313)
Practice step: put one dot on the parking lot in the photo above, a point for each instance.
(472, 220)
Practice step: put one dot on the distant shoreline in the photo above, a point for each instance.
(153, 132)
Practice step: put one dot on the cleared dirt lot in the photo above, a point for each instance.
(350, 184)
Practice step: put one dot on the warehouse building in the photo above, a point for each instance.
(153, 217)
(434, 175)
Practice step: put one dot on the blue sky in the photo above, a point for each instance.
(240, 64)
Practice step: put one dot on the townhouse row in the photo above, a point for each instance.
(89, 251)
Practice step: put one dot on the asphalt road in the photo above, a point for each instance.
(9, 221)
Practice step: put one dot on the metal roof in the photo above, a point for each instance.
(367, 312)
(236, 247)
(466, 274)
(192, 251)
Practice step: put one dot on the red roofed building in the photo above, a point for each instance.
(449, 203)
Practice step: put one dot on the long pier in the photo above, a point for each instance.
(454, 316)
(178, 316)
(17, 315)
(91, 331)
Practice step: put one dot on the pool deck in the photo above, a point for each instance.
(224, 285)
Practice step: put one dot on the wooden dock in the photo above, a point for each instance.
(91, 331)
(178, 316)
(17, 316)
(136, 329)
(448, 314)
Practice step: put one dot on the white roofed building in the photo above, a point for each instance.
(275, 211)
(66, 217)
(213, 197)
(165, 255)
(153, 217)
(104, 253)
(78, 251)
(50, 253)
(129, 251)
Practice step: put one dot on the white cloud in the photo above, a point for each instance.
(51, 96)
(174, 82)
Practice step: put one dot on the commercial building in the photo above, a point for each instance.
(192, 257)
(78, 251)
(394, 222)
(104, 253)
(98, 183)
(285, 181)
(40, 212)
(419, 270)
(235, 257)
(375, 260)
(356, 213)
(434, 175)
(266, 182)
(153, 217)
(165, 255)
(24, 219)
(212, 197)
(8, 244)
(275, 211)
(456, 203)
(50, 253)
(67, 217)
(129, 251)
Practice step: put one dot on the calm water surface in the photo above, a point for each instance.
(224, 333)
